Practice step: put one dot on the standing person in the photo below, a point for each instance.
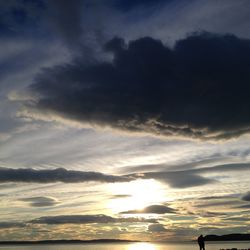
(201, 242)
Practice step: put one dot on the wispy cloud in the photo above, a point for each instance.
(218, 197)
(87, 219)
(218, 204)
(207, 214)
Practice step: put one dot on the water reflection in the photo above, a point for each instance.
(142, 246)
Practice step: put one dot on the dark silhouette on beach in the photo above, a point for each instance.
(201, 242)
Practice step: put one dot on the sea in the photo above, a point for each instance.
(131, 246)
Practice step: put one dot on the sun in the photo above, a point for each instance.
(139, 194)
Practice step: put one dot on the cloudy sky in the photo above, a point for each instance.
(125, 119)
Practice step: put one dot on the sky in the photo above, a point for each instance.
(124, 119)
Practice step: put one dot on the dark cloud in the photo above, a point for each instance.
(178, 179)
(191, 177)
(193, 90)
(231, 167)
(9, 224)
(119, 196)
(153, 209)
(87, 219)
(186, 180)
(156, 228)
(40, 201)
(240, 219)
(55, 175)
(246, 197)
(247, 206)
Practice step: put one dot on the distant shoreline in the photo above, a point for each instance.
(228, 237)
(65, 242)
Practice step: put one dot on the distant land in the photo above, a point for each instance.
(65, 242)
(228, 237)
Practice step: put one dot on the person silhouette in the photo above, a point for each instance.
(201, 242)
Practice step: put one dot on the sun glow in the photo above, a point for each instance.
(139, 194)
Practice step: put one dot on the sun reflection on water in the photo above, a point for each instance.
(141, 246)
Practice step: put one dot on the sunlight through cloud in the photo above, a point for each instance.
(141, 193)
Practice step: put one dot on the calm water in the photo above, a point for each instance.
(133, 246)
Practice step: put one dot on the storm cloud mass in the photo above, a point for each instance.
(191, 90)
